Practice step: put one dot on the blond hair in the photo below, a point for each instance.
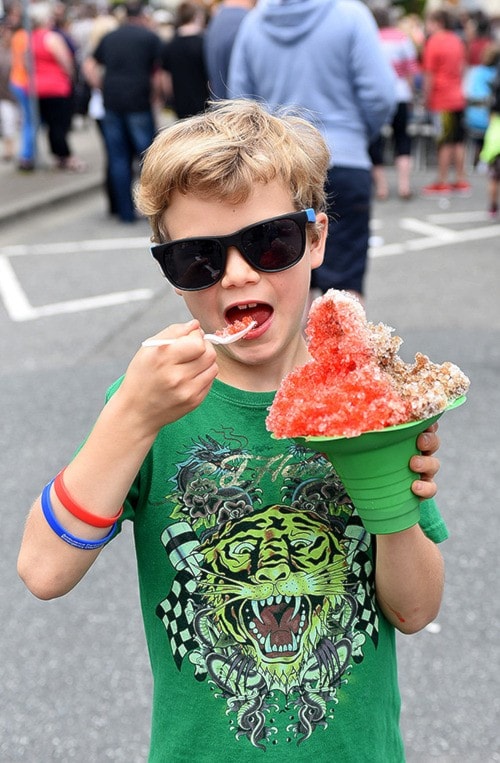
(222, 153)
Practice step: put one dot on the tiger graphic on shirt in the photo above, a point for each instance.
(269, 603)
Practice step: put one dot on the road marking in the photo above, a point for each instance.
(428, 229)
(459, 217)
(75, 247)
(432, 242)
(19, 308)
(13, 296)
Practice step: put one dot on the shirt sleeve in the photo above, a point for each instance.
(431, 521)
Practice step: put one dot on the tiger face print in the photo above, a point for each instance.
(271, 580)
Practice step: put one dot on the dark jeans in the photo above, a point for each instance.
(126, 135)
(349, 193)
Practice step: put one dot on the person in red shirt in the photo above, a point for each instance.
(444, 61)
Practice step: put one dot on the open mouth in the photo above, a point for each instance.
(277, 624)
(258, 312)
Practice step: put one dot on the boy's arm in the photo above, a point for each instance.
(161, 385)
(409, 568)
(409, 578)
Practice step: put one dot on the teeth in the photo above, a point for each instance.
(256, 612)
(249, 306)
(264, 641)
(296, 608)
(270, 649)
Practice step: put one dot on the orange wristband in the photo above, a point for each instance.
(78, 511)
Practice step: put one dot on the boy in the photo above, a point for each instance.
(257, 578)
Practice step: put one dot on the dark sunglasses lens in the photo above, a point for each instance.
(194, 264)
(275, 245)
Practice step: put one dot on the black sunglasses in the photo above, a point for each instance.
(192, 264)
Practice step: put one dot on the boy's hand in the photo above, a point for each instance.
(425, 464)
(164, 383)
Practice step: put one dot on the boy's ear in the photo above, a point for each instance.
(317, 246)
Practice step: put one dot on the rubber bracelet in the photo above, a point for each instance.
(67, 537)
(78, 511)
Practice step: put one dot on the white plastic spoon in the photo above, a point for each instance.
(213, 338)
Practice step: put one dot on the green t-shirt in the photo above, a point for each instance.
(257, 592)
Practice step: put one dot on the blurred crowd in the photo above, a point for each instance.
(128, 66)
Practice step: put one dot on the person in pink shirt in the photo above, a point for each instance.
(444, 61)
(54, 71)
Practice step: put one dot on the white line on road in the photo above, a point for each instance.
(75, 247)
(428, 229)
(420, 244)
(477, 216)
(91, 303)
(12, 294)
(19, 309)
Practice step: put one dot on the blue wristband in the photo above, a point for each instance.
(48, 512)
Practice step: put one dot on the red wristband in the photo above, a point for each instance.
(78, 511)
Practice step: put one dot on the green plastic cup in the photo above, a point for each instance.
(374, 468)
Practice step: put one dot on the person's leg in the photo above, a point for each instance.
(120, 165)
(445, 155)
(441, 123)
(376, 151)
(141, 130)
(403, 170)
(57, 116)
(26, 154)
(493, 187)
(108, 185)
(459, 163)
(8, 122)
(402, 150)
(344, 266)
(458, 136)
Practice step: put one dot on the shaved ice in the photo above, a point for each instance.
(356, 382)
(236, 326)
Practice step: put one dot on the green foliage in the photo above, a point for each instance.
(411, 6)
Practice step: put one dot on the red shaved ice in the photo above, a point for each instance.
(355, 381)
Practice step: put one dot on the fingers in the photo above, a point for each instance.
(424, 489)
(165, 382)
(428, 442)
(426, 465)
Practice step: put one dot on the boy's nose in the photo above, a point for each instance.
(238, 271)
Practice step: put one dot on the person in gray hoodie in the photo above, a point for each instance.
(324, 57)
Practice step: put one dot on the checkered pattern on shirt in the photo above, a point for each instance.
(177, 618)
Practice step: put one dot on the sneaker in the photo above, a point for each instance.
(436, 188)
(462, 187)
(25, 165)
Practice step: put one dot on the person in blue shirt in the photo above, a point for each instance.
(326, 57)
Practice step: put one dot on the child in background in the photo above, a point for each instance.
(269, 611)
(477, 89)
(491, 146)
